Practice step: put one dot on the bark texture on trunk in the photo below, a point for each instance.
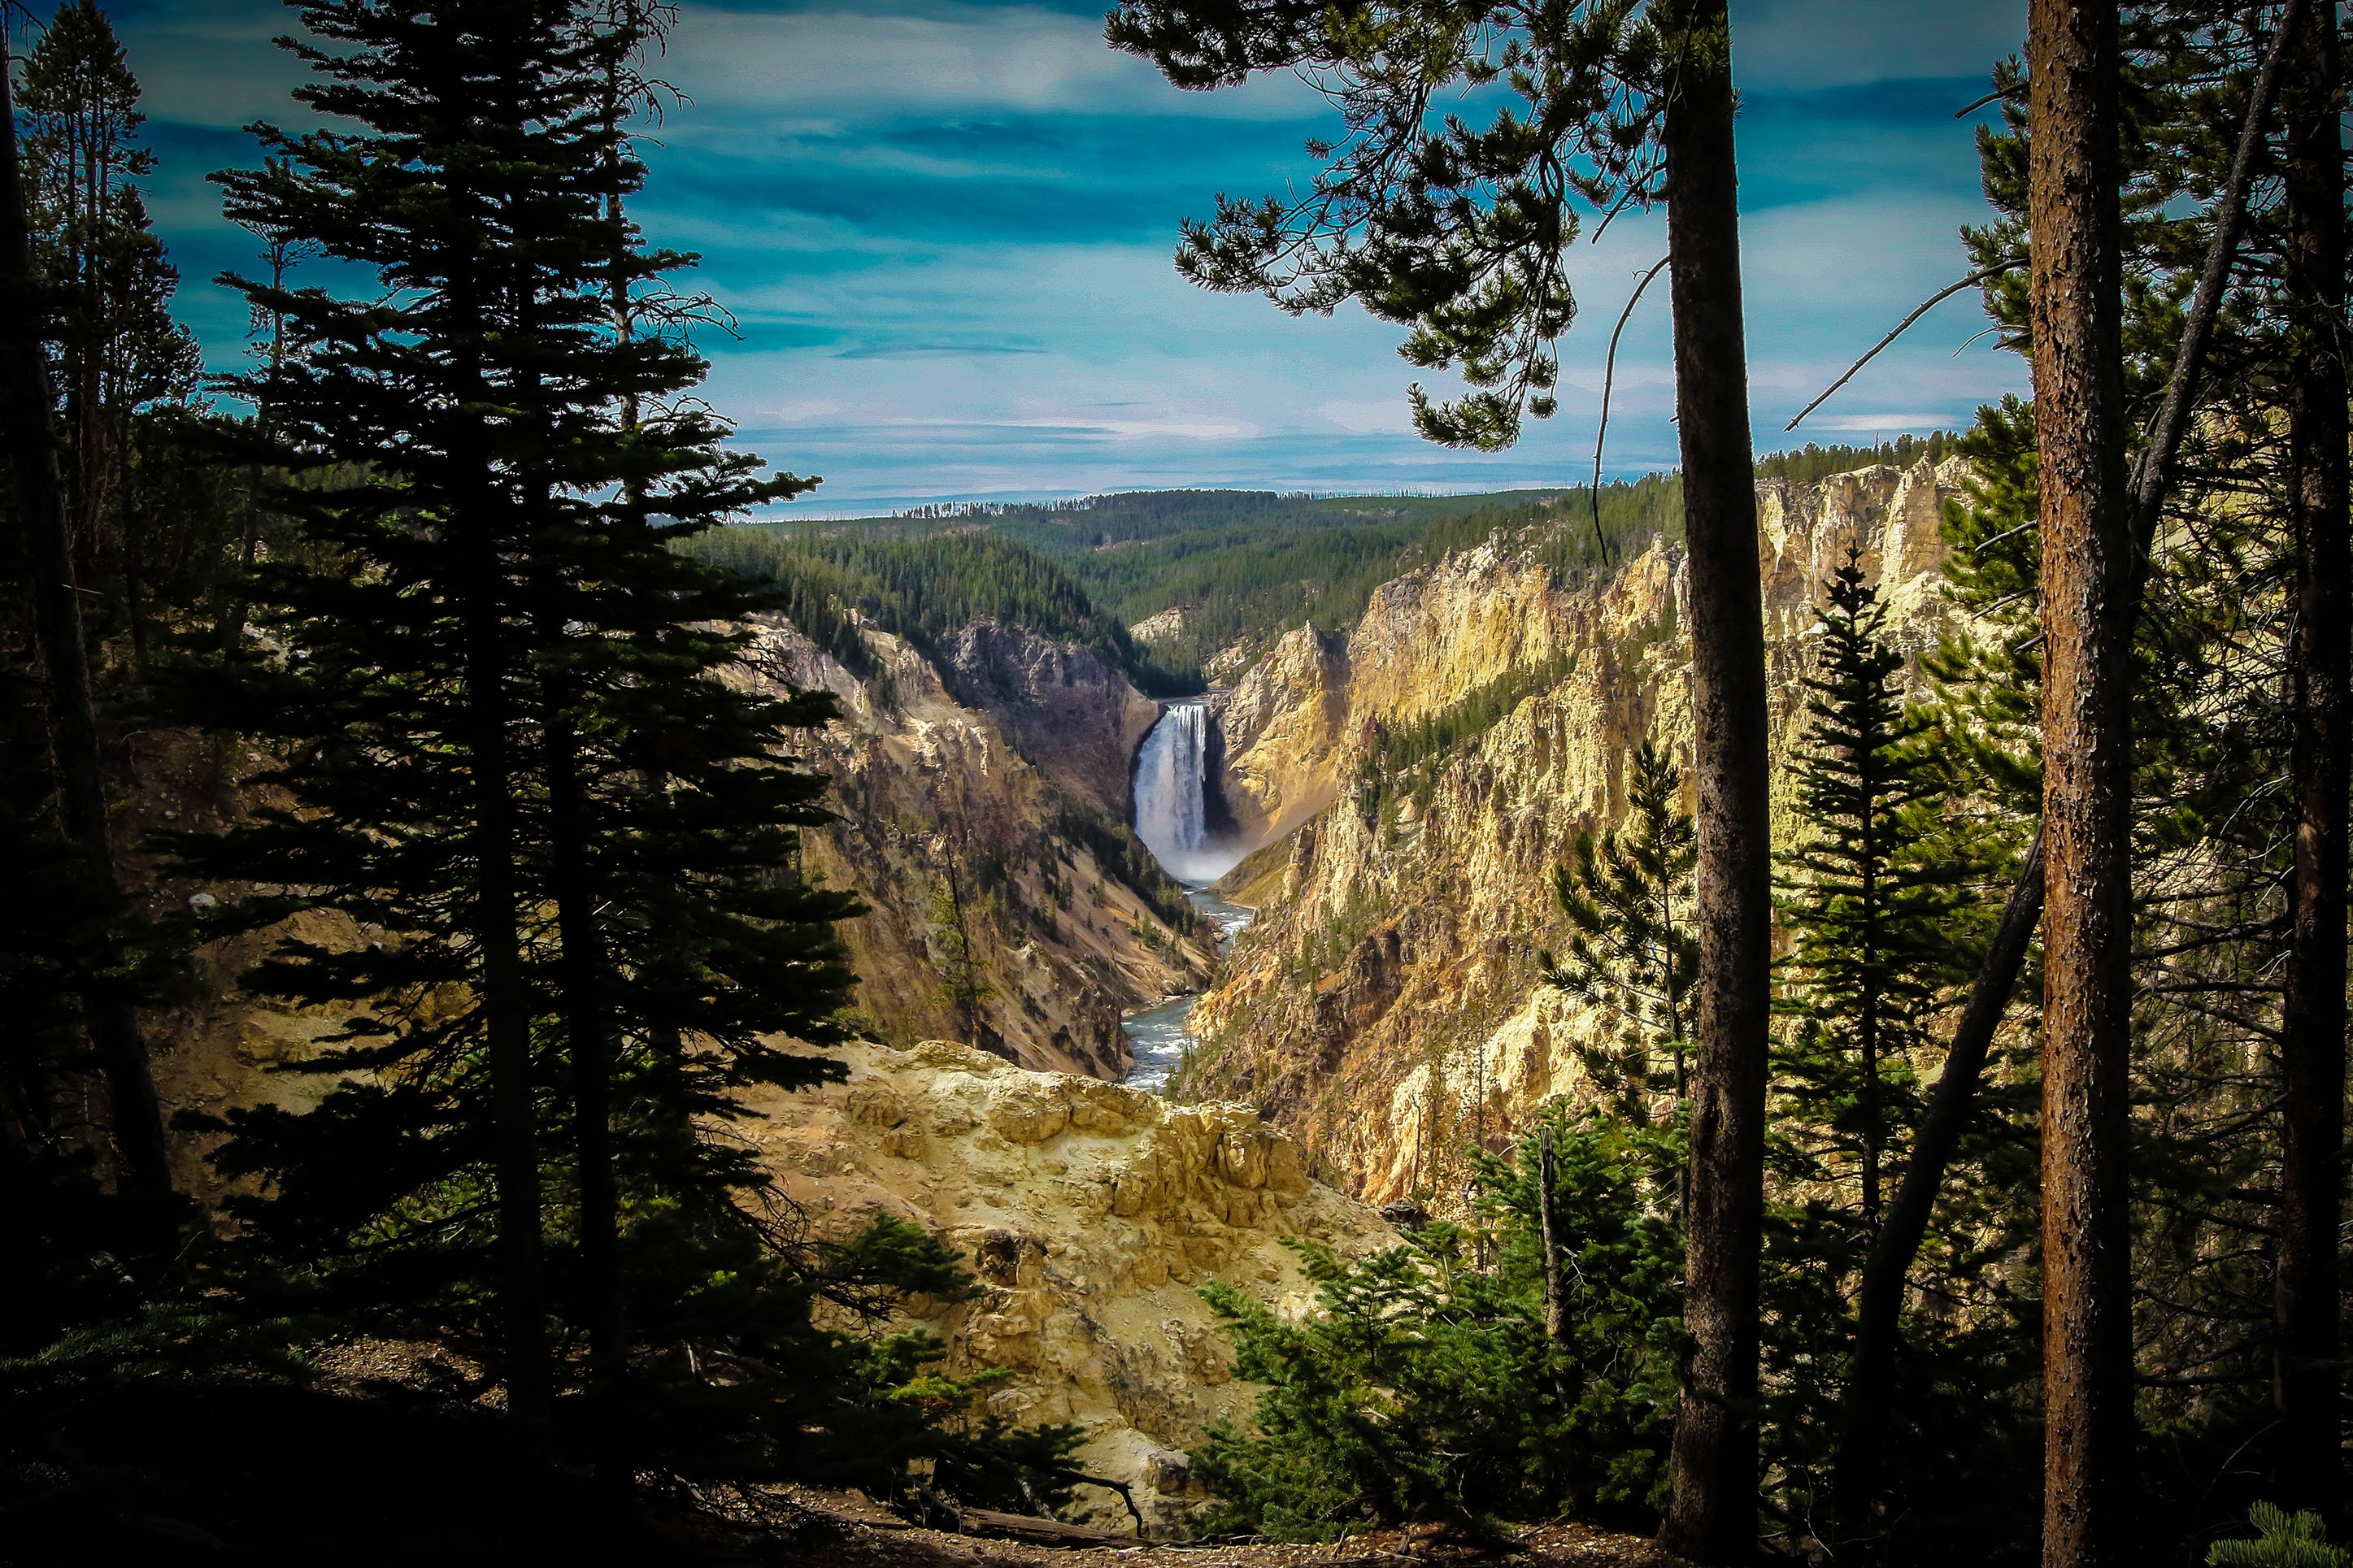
(2308, 1462)
(2087, 579)
(28, 427)
(1711, 1517)
(1869, 1402)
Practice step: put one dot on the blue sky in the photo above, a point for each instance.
(946, 229)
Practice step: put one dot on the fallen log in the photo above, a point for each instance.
(1034, 1530)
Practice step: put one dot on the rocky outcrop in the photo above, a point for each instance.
(1070, 716)
(1003, 863)
(1092, 1214)
(1383, 1006)
(1167, 625)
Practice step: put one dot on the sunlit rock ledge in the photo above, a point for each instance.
(1093, 1213)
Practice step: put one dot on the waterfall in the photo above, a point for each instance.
(1173, 818)
(1172, 813)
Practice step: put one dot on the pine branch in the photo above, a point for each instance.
(1609, 380)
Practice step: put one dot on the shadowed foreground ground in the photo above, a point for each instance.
(391, 1458)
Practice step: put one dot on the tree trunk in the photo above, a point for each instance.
(2308, 1463)
(1711, 1517)
(587, 1027)
(1869, 1402)
(506, 1006)
(27, 416)
(2087, 581)
(1555, 1313)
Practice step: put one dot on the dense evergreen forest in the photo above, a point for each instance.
(1244, 566)
(1960, 1177)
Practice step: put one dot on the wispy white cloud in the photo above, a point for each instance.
(945, 227)
(832, 67)
(210, 62)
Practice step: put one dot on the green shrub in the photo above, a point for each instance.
(2281, 1540)
(1423, 1386)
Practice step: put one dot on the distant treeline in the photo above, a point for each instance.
(1801, 464)
(1244, 565)
(925, 587)
(1254, 564)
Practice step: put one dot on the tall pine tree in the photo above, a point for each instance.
(1870, 899)
(1631, 948)
(109, 287)
(544, 824)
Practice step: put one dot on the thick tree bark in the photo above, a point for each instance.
(27, 418)
(1869, 1401)
(2309, 1464)
(2088, 575)
(1711, 1517)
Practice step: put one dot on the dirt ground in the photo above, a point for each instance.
(844, 1531)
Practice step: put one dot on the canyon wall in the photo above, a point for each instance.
(1006, 760)
(983, 805)
(1385, 1006)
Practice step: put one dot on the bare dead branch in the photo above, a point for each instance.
(1609, 380)
(1938, 297)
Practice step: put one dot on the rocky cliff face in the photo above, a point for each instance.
(1016, 781)
(984, 806)
(1093, 1213)
(1068, 715)
(1383, 1007)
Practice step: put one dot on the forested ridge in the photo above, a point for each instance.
(1244, 566)
(1953, 1166)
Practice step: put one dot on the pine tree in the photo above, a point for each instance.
(1632, 949)
(65, 758)
(1871, 901)
(564, 991)
(2087, 553)
(430, 418)
(118, 350)
(1459, 232)
(2307, 1310)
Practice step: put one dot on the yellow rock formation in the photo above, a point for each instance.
(1093, 1213)
(1388, 990)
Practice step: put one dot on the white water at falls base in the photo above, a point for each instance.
(1172, 818)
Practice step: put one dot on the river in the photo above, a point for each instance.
(1158, 1034)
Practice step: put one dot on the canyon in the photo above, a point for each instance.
(981, 791)
(1385, 1006)
(1379, 1013)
